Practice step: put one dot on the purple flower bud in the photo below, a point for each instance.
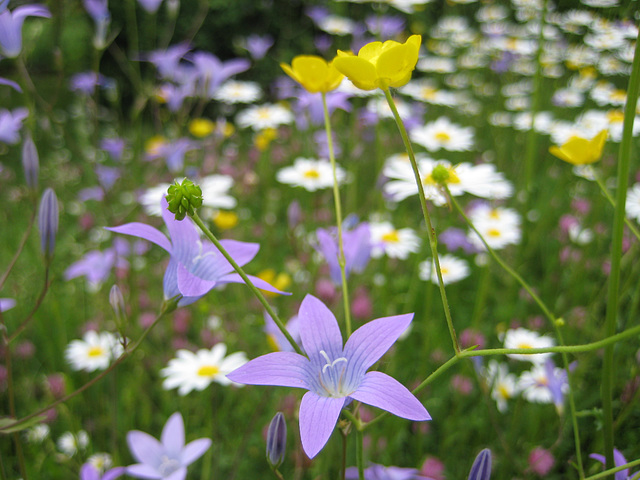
(48, 222)
(30, 162)
(276, 440)
(481, 468)
(117, 301)
(294, 214)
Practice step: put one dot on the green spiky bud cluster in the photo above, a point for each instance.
(183, 198)
(440, 174)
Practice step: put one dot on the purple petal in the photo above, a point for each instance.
(209, 263)
(114, 473)
(618, 460)
(89, 472)
(382, 391)
(10, 83)
(184, 234)
(145, 231)
(258, 282)
(318, 417)
(319, 328)
(179, 474)
(194, 450)
(173, 435)
(368, 343)
(190, 285)
(6, 304)
(144, 448)
(140, 470)
(285, 369)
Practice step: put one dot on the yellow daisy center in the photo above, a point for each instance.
(208, 371)
(95, 352)
(504, 392)
(391, 237)
(525, 345)
(311, 173)
(443, 136)
(494, 232)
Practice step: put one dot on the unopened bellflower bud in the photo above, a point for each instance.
(276, 440)
(48, 222)
(30, 162)
(481, 468)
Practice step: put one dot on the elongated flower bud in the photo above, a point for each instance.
(276, 440)
(117, 303)
(30, 162)
(481, 468)
(183, 198)
(48, 222)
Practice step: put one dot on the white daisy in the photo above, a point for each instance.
(195, 371)
(443, 134)
(235, 91)
(633, 202)
(436, 64)
(69, 443)
(336, 25)
(94, 352)
(38, 433)
(453, 270)
(381, 108)
(424, 90)
(498, 226)
(523, 338)
(101, 461)
(265, 116)
(534, 385)
(502, 383)
(310, 174)
(385, 239)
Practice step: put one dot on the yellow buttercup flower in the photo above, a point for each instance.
(580, 151)
(314, 73)
(380, 65)
(201, 127)
(225, 220)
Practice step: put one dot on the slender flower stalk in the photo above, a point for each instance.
(336, 197)
(556, 322)
(624, 157)
(433, 241)
(360, 454)
(607, 194)
(248, 281)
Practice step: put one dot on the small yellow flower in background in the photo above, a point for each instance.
(227, 128)
(380, 65)
(225, 220)
(264, 138)
(154, 144)
(580, 151)
(281, 281)
(314, 73)
(201, 127)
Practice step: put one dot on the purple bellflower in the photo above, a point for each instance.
(380, 472)
(167, 61)
(212, 72)
(89, 472)
(195, 266)
(11, 27)
(98, 10)
(11, 123)
(334, 373)
(150, 6)
(618, 460)
(357, 249)
(257, 45)
(7, 304)
(168, 458)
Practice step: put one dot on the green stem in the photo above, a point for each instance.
(532, 135)
(614, 470)
(23, 241)
(624, 156)
(433, 241)
(608, 196)
(336, 198)
(248, 281)
(360, 453)
(36, 305)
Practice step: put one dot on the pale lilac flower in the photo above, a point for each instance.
(7, 304)
(257, 45)
(86, 82)
(10, 83)
(168, 60)
(618, 460)
(380, 472)
(114, 147)
(168, 458)
(11, 27)
(150, 6)
(212, 72)
(96, 266)
(356, 245)
(11, 123)
(196, 266)
(89, 472)
(335, 373)
(173, 153)
(386, 26)
(98, 10)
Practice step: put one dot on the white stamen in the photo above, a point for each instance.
(329, 363)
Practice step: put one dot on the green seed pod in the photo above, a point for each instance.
(184, 198)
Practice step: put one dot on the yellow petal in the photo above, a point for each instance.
(559, 153)
(370, 51)
(361, 72)
(598, 141)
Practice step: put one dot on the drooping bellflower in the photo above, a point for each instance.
(334, 373)
(11, 27)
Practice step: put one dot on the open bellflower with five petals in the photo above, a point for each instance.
(196, 266)
(168, 458)
(313, 73)
(380, 65)
(334, 374)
